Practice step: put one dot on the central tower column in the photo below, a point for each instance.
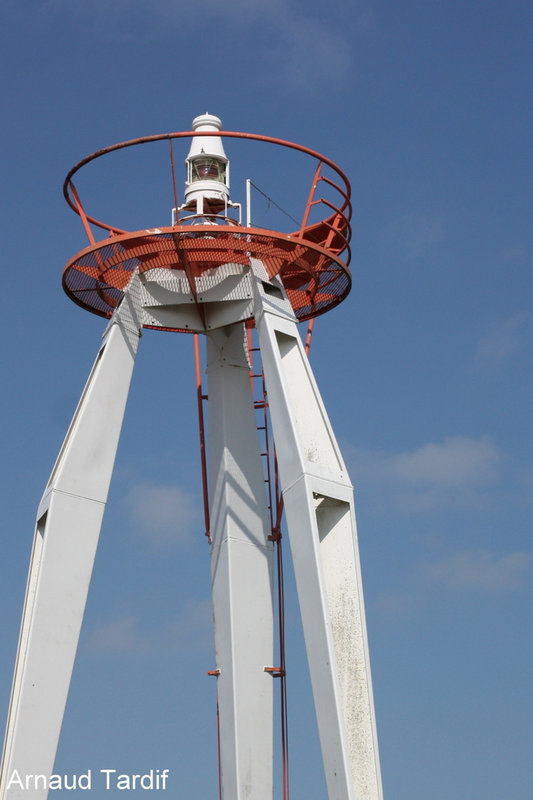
(241, 571)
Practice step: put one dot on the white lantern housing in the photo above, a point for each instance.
(207, 184)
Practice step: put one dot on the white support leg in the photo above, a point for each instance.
(66, 536)
(241, 570)
(320, 517)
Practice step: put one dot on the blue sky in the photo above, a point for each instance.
(425, 368)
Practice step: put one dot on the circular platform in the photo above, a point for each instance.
(312, 262)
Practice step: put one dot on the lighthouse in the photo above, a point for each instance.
(209, 275)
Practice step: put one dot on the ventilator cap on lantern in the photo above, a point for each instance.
(207, 184)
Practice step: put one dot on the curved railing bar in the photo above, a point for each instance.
(327, 222)
(348, 202)
(189, 134)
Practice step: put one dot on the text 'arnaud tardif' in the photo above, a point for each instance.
(153, 780)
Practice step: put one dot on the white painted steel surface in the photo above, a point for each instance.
(241, 571)
(206, 148)
(66, 537)
(318, 501)
(320, 518)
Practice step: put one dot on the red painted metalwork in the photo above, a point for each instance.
(315, 278)
(200, 397)
(309, 336)
(312, 262)
(83, 216)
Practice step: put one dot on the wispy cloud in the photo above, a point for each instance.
(457, 461)
(473, 572)
(194, 624)
(314, 53)
(167, 515)
(418, 233)
(396, 605)
(504, 340)
(287, 42)
(452, 472)
(192, 628)
(480, 570)
(122, 635)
